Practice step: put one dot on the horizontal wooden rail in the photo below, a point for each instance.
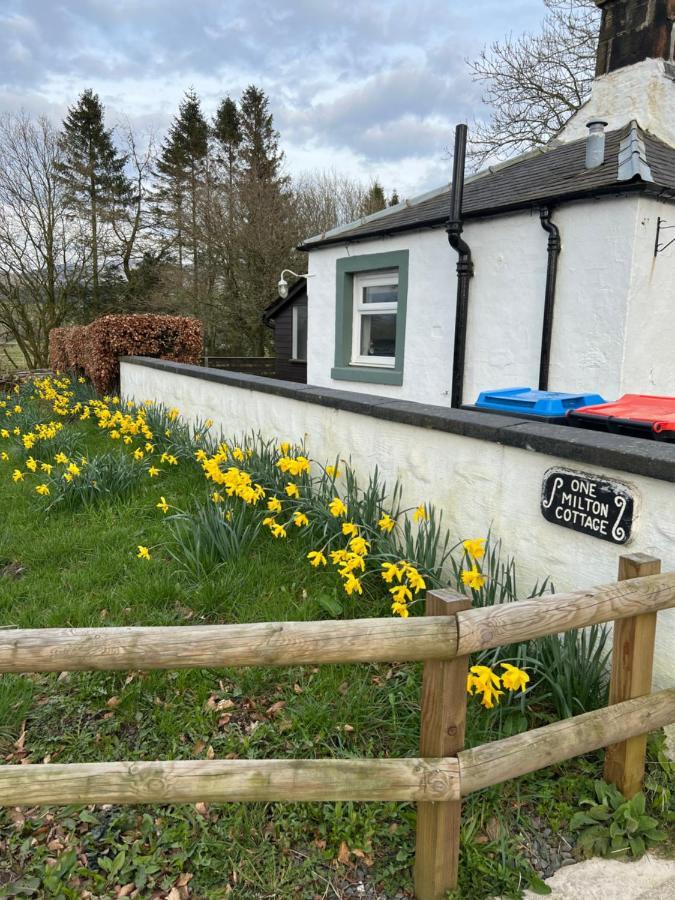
(507, 623)
(220, 781)
(350, 641)
(511, 757)
(196, 646)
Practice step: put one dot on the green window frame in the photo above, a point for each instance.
(346, 268)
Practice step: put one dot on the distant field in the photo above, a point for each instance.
(15, 356)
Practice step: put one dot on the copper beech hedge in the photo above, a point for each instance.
(94, 350)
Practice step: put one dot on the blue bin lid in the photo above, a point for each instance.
(534, 403)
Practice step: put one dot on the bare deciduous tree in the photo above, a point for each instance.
(45, 266)
(535, 82)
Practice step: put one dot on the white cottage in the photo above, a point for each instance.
(564, 281)
(572, 289)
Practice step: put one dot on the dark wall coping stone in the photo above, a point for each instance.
(638, 456)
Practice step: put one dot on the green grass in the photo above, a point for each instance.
(79, 568)
(11, 358)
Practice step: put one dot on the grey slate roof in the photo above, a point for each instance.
(550, 176)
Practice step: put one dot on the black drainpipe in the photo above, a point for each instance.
(549, 297)
(454, 228)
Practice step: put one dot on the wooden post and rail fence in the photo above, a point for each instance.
(441, 775)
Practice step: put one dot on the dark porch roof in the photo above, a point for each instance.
(295, 291)
(543, 177)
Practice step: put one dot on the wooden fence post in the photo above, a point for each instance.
(443, 722)
(632, 663)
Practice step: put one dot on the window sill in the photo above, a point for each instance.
(369, 375)
(301, 362)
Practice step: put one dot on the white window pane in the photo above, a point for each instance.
(380, 293)
(378, 335)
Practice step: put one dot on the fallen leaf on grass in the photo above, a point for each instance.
(202, 809)
(276, 708)
(343, 855)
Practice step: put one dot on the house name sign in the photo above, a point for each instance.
(589, 504)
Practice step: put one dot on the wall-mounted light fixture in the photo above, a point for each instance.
(283, 284)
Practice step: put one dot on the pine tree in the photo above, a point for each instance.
(394, 199)
(225, 145)
(180, 172)
(93, 173)
(374, 200)
(266, 237)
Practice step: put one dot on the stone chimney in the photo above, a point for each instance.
(635, 71)
(634, 30)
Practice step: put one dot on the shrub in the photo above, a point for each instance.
(94, 349)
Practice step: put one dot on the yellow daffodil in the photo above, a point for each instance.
(217, 498)
(337, 556)
(238, 454)
(200, 455)
(420, 513)
(337, 507)
(475, 547)
(143, 552)
(208, 423)
(31, 464)
(300, 519)
(401, 593)
(317, 558)
(163, 505)
(4, 456)
(128, 440)
(149, 448)
(74, 469)
(514, 679)
(352, 585)
(43, 490)
(284, 447)
(292, 490)
(278, 531)
(400, 609)
(153, 472)
(274, 504)
(138, 454)
(391, 571)
(358, 545)
(17, 475)
(46, 467)
(473, 578)
(349, 529)
(415, 580)
(61, 459)
(332, 471)
(386, 523)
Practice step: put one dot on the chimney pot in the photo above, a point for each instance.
(595, 143)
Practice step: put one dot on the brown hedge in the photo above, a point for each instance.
(94, 350)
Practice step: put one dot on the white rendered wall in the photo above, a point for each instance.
(477, 484)
(649, 357)
(506, 303)
(427, 370)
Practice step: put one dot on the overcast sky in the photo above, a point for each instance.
(366, 87)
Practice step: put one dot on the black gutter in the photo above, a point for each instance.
(490, 212)
(553, 252)
(454, 229)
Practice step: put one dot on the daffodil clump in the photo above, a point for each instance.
(252, 485)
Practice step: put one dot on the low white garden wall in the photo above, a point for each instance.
(478, 483)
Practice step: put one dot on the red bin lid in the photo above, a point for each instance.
(659, 412)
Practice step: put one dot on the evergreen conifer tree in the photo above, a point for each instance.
(180, 170)
(374, 200)
(93, 173)
(266, 232)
